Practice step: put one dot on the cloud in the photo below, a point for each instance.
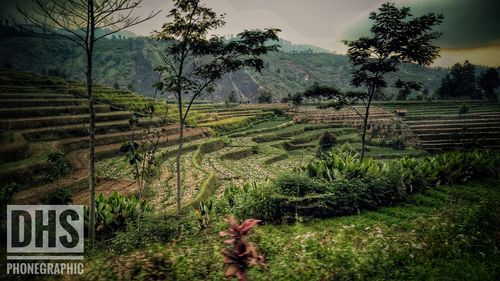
(467, 23)
(488, 55)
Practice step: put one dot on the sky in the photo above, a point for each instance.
(470, 29)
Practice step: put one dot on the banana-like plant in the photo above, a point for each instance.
(113, 212)
(343, 163)
(203, 213)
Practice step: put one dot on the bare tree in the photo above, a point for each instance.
(84, 22)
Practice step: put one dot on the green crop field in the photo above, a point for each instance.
(185, 154)
(234, 154)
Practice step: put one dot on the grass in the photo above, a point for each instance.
(445, 234)
(42, 151)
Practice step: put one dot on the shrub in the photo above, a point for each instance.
(464, 109)
(154, 229)
(60, 196)
(265, 97)
(344, 163)
(58, 166)
(340, 185)
(114, 212)
(149, 264)
(250, 201)
(243, 253)
(327, 141)
(397, 144)
(299, 185)
(341, 197)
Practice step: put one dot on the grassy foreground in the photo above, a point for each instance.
(447, 233)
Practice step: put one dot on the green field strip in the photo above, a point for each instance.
(48, 111)
(36, 122)
(44, 96)
(71, 131)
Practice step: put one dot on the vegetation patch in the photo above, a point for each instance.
(278, 136)
(239, 154)
(207, 147)
(207, 189)
(275, 159)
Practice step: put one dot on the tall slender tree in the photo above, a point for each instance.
(84, 22)
(193, 61)
(396, 37)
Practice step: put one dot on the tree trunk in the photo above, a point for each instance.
(92, 180)
(365, 126)
(178, 158)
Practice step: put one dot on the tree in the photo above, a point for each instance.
(488, 81)
(447, 87)
(231, 98)
(396, 37)
(79, 21)
(405, 88)
(296, 99)
(192, 62)
(328, 94)
(464, 80)
(130, 87)
(265, 97)
(460, 82)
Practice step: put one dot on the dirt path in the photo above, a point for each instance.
(107, 187)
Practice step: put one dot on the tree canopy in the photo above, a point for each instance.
(192, 61)
(396, 38)
(488, 81)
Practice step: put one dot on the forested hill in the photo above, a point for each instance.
(129, 64)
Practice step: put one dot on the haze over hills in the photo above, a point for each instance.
(129, 64)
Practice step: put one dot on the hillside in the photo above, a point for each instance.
(129, 64)
(42, 115)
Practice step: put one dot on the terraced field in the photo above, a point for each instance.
(42, 117)
(250, 142)
(259, 152)
(438, 125)
(48, 114)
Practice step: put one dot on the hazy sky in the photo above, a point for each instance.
(471, 27)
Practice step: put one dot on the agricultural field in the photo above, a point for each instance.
(232, 150)
(445, 125)
(181, 153)
(48, 115)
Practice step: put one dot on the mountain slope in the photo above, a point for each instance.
(129, 63)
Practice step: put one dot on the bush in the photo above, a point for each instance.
(60, 196)
(150, 264)
(464, 109)
(154, 229)
(327, 141)
(397, 144)
(344, 163)
(114, 212)
(341, 197)
(58, 166)
(340, 185)
(249, 201)
(265, 97)
(299, 185)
